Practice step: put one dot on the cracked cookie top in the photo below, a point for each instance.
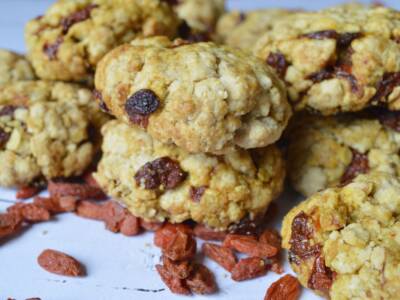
(46, 130)
(163, 182)
(344, 243)
(14, 67)
(341, 59)
(202, 97)
(329, 151)
(72, 36)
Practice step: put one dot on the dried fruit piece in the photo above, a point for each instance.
(56, 205)
(246, 226)
(249, 245)
(150, 226)
(27, 192)
(358, 165)
(386, 86)
(208, 234)
(176, 285)
(140, 105)
(4, 137)
(271, 237)
(8, 110)
(321, 277)
(221, 255)
(285, 288)
(10, 223)
(201, 281)
(197, 192)
(90, 210)
(181, 246)
(130, 225)
(51, 50)
(76, 17)
(99, 97)
(249, 268)
(321, 35)
(34, 213)
(60, 263)
(89, 179)
(180, 269)
(80, 190)
(163, 172)
(163, 236)
(278, 61)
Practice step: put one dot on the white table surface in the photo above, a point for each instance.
(118, 267)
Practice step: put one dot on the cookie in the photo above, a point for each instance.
(344, 242)
(14, 67)
(329, 151)
(201, 97)
(339, 60)
(46, 130)
(161, 182)
(67, 42)
(243, 29)
(200, 15)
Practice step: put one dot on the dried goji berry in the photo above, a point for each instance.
(80, 190)
(181, 246)
(180, 269)
(10, 223)
(286, 288)
(175, 284)
(163, 236)
(130, 225)
(60, 263)
(150, 226)
(222, 255)
(208, 234)
(248, 268)
(201, 281)
(27, 192)
(249, 245)
(271, 237)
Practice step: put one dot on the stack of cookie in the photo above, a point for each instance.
(194, 132)
(341, 67)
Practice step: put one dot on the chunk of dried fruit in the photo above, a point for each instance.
(80, 190)
(141, 104)
(286, 288)
(249, 268)
(4, 137)
(180, 269)
(221, 255)
(10, 223)
(201, 281)
(197, 192)
(181, 246)
(249, 245)
(358, 165)
(271, 237)
(60, 263)
(246, 226)
(34, 213)
(386, 86)
(163, 173)
(90, 210)
(208, 234)
(175, 284)
(150, 226)
(163, 236)
(278, 61)
(51, 50)
(27, 192)
(76, 17)
(321, 277)
(130, 225)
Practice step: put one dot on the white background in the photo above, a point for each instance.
(118, 267)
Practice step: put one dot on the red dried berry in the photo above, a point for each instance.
(221, 255)
(286, 288)
(10, 223)
(27, 192)
(130, 225)
(143, 102)
(249, 268)
(179, 269)
(208, 234)
(163, 236)
(181, 246)
(51, 50)
(250, 246)
(60, 263)
(321, 277)
(278, 61)
(80, 190)
(358, 165)
(175, 284)
(163, 172)
(76, 17)
(201, 281)
(150, 226)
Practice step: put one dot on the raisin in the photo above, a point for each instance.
(197, 192)
(321, 277)
(342, 73)
(390, 119)
(286, 288)
(60, 263)
(322, 75)
(358, 165)
(301, 233)
(163, 172)
(51, 50)
(175, 284)
(344, 40)
(201, 281)
(4, 137)
(246, 226)
(249, 268)
(8, 110)
(207, 234)
(186, 32)
(386, 86)
(142, 103)
(76, 17)
(322, 35)
(221, 255)
(99, 97)
(278, 62)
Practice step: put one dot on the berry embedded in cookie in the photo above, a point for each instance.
(330, 151)
(161, 182)
(201, 97)
(67, 42)
(338, 60)
(342, 241)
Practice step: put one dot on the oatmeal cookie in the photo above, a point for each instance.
(46, 130)
(67, 42)
(329, 151)
(201, 15)
(243, 29)
(341, 59)
(163, 182)
(202, 97)
(14, 67)
(344, 242)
